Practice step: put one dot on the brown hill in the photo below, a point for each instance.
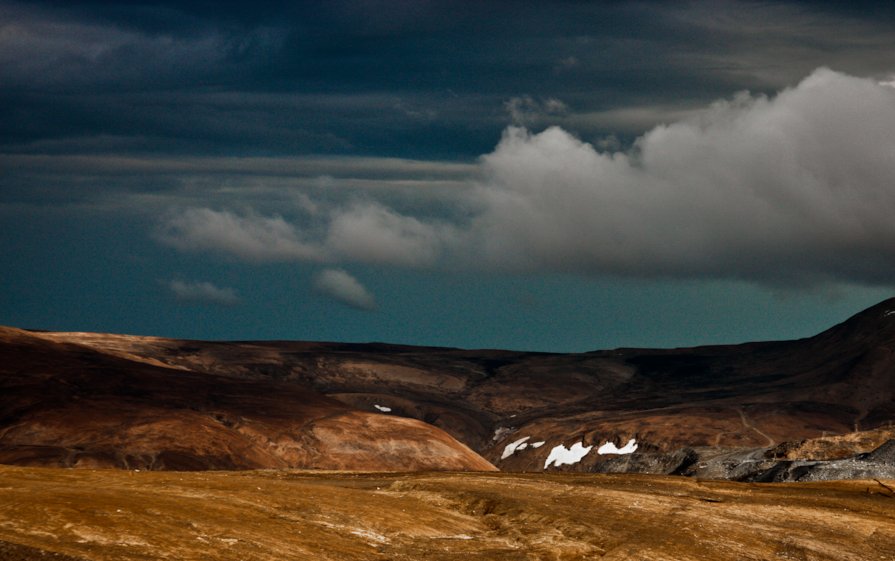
(66, 404)
(724, 397)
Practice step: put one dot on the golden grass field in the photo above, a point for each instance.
(67, 514)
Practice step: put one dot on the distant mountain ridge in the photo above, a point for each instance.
(340, 399)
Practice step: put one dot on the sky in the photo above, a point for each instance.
(549, 176)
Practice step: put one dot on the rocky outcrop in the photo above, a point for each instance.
(879, 464)
(762, 465)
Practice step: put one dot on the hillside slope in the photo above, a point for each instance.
(516, 409)
(65, 404)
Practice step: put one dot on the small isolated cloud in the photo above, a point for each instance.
(342, 287)
(202, 293)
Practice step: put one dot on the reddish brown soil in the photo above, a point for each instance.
(114, 515)
(65, 404)
(262, 403)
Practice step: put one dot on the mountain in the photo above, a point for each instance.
(274, 403)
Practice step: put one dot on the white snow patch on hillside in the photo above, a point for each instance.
(611, 448)
(560, 455)
(889, 313)
(383, 408)
(511, 448)
(537, 444)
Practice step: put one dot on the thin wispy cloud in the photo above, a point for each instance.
(202, 293)
(526, 110)
(340, 286)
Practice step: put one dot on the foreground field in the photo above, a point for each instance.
(277, 515)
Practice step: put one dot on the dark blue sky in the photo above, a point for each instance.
(531, 175)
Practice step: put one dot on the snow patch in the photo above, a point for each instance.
(383, 408)
(560, 455)
(511, 448)
(611, 448)
(537, 444)
(889, 313)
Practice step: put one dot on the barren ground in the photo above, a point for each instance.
(69, 515)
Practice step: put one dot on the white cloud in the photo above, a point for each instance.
(796, 188)
(250, 237)
(793, 187)
(375, 234)
(344, 288)
(202, 292)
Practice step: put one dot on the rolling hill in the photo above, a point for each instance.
(88, 399)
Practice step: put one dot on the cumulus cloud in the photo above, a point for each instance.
(251, 237)
(375, 234)
(342, 287)
(786, 188)
(794, 188)
(202, 293)
(368, 232)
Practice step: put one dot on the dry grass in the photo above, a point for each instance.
(280, 515)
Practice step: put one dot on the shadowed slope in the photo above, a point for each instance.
(70, 405)
(723, 397)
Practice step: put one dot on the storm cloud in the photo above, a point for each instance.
(794, 188)
(464, 155)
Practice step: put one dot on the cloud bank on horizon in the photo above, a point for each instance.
(790, 189)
